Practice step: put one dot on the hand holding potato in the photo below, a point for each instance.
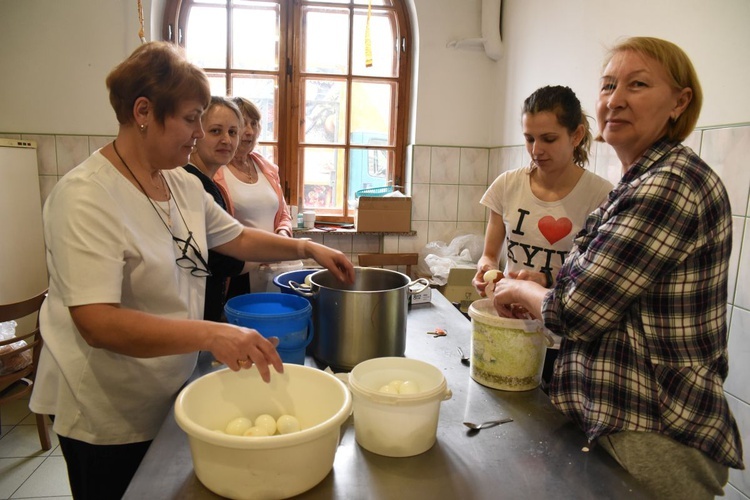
(485, 279)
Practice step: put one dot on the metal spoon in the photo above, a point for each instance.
(489, 423)
(464, 358)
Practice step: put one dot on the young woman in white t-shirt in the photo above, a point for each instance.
(535, 211)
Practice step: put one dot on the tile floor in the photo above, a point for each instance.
(26, 471)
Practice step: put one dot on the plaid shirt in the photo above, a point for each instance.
(641, 304)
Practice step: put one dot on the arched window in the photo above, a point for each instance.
(331, 77)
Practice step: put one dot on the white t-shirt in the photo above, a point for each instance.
(539, 234)
(106, 244)
(255, 205)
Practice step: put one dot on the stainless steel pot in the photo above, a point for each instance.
(361, 321)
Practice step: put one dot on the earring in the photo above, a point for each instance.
(143, 127)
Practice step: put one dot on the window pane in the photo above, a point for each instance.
(368, 168)
(323, 180)
(371, 111)
(206, 37)
(382, 43)
(326, 39)
(356, 2)
(248, 3)
(325, 112)
(374, 2)
(261, 91)
(255, 37)
(268, 152)
(218, 83)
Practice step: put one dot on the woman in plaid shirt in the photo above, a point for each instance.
(641, 299)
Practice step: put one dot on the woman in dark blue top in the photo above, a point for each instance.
(222, 123)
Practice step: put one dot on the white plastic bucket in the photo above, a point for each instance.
(506, 354)
(396, 425)
(271, 467)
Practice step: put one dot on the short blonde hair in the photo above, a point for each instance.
(679, 69)
(248, 108)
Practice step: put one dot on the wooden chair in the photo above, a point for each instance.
(18, 384)
(389, 259)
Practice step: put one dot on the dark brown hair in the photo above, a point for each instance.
(159, 72)
(562, 101)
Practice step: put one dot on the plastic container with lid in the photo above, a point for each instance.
(396, 425)
(506, 354)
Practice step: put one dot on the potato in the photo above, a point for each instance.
(256, 431)
(492, 276)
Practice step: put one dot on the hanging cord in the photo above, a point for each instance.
(368, 38)
(141, 34)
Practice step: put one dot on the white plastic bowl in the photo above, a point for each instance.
(396, 425)
(277, 466)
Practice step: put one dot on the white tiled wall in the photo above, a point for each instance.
(447, 183)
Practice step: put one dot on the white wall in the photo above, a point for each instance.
(457, 94)
(54, 57)
(465, 98)
(564, 42)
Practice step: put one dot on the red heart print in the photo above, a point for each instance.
(554, 229)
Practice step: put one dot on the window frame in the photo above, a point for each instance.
(289, 119)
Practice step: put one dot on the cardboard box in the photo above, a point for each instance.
(423, 297)
(459, 289)
(389, 214)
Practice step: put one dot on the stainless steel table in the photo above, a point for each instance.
(538, 455)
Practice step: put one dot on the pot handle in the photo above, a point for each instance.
(301, 290)
(420, 281)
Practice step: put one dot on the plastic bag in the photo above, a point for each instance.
(470, 245)
(14, 363)
(437, 257)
